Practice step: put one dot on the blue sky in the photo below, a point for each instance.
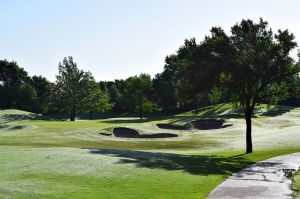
(118, 38)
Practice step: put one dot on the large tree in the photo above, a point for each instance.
(252, 66)
(96, 99)
(42, 88)
(136, 93)
(71, 86)
(15, 88)
(174, 77)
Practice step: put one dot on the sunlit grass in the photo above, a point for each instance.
(62, 159)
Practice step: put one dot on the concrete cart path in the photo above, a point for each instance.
(261, 180)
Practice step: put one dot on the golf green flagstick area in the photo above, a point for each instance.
(42, 157)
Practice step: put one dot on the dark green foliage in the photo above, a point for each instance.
(164, 92)
(27, 97)
(15, 88)
(251, 66)
(70, 88)
(96, 99)
(186, 80)
(136, 94)
(114, 90)
(42, 88)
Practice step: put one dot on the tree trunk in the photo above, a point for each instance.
(72, 115)
(91, 115)
(141, 113)
(248, 115)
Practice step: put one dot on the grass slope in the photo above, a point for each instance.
(62, 159)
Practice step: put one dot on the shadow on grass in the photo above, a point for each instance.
(278, 110)
(193, 164)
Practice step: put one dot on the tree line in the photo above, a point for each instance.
(249, 66)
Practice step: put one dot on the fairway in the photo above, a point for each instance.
(59, 159)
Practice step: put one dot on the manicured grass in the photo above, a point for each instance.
(61, 159)
(296, 184)
(98, 173)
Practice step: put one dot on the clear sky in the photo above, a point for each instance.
(118, 38)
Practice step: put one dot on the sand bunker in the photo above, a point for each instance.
(207, 124)
(124, 132)
(172, 127)
(201, 124)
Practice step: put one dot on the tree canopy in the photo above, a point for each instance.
(136, 94)
(96, 100)
(251, 66)
(77, 90)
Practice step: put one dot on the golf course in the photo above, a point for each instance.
(149, 99)
(43, 157)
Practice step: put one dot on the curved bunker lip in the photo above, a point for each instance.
(124, 132)
(200, 124)
(173, 127)
(207, 124)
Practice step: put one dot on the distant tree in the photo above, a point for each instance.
(172, 87)
(136, 93)
(42, 88)
(14, 85)
(115, 97)
(27, 97)
(149, 107)
(96, 99)
(70, 88)
(114, 89)
(117, 92)
(164, 91)
(251, 66)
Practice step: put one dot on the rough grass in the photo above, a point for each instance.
(61, 159)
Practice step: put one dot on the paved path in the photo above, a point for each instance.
(261, 180)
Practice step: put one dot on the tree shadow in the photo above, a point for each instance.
(278, 110)
(193, 164)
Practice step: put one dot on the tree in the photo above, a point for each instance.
(96, 99)
(114, 89)
(164, 91)
(27, 96)
(136, 93)
(13, 80)
(42, 88)
(70, 88)
(149, 107)
(252, 66)
(172, 87)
